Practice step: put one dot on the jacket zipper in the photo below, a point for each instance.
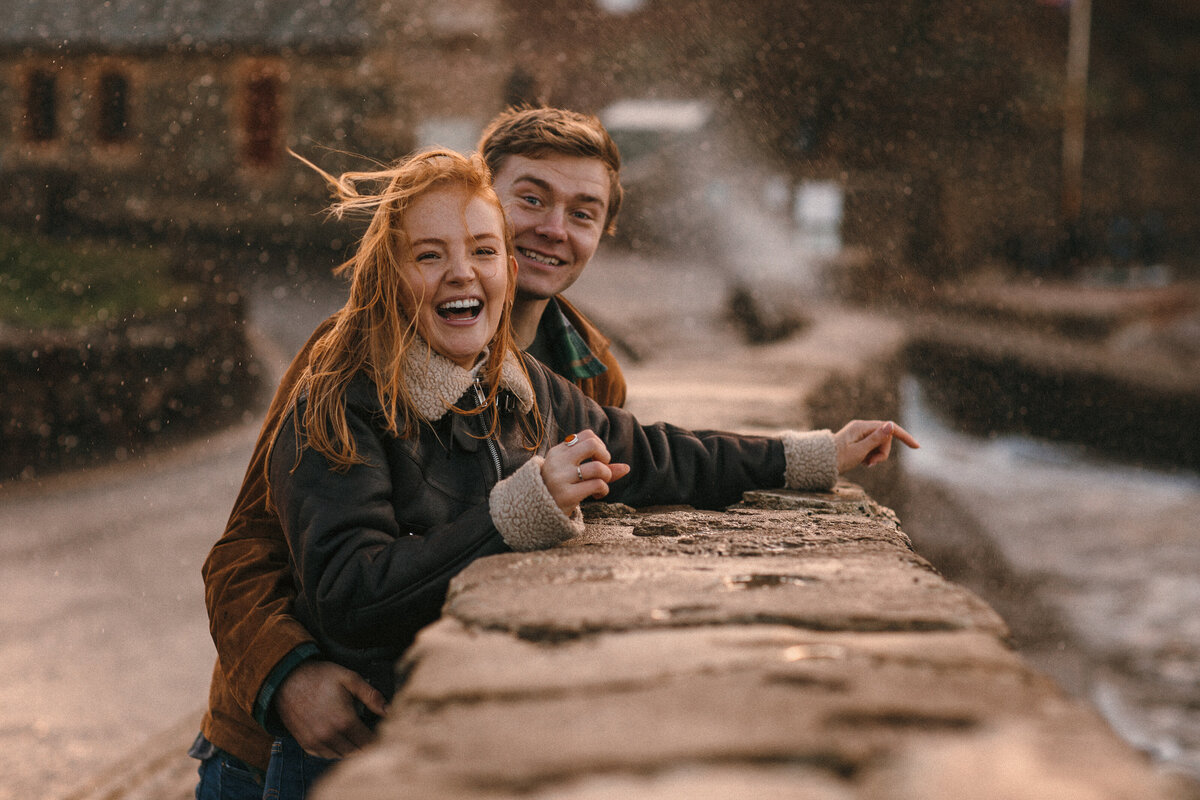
(480, 400)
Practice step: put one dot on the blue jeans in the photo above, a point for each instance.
(292, 772)
(224, 777)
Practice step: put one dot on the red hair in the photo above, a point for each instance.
(371, 333)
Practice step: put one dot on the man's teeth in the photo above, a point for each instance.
(541, 259)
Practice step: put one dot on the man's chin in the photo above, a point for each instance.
(532, 295)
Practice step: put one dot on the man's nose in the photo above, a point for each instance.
(553, 224)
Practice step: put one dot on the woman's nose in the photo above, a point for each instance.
(459, 268)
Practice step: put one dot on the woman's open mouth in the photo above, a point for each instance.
(460, 310)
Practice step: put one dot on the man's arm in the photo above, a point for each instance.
(248, 585)
(269, 659)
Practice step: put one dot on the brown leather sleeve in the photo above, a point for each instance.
(248, 585)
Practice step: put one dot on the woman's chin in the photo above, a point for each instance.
(466, 356)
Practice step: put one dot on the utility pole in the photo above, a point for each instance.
(1075, 110)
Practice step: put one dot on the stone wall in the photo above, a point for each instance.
(75, 397)
(792, 647)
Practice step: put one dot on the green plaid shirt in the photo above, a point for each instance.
(570, 354)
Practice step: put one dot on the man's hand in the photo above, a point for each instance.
(315, 703)
(868, 442)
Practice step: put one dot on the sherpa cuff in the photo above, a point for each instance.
(525, 513)
(811, 460)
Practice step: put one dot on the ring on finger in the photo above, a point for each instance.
(571, 440)
(579, 472)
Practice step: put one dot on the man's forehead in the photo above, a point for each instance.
(575, 176)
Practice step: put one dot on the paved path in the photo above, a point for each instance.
(103, 641)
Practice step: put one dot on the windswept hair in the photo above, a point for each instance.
(539, 131)
(372, 333)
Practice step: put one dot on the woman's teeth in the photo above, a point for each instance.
(460, 308)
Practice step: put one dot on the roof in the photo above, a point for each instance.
(154, 24)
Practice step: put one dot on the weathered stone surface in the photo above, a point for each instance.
(824, 572)
(444, 671)
(792, 653)
(707, 782)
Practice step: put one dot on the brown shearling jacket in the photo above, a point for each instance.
(249, 590)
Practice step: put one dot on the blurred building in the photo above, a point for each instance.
(941, 122)
(166, 115)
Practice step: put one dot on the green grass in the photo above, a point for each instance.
(48, 283)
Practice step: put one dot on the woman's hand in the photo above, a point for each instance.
(579, 468)
(868, 442)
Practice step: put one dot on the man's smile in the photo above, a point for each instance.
(533, 255)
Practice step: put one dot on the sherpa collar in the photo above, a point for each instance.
(436, 383)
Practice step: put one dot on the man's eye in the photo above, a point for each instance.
(532, 200)
(587, 215)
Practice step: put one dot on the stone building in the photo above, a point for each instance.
(176, 115)
(941, 121)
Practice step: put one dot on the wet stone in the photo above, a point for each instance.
(789, 647)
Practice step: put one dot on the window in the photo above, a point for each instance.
(41, 106)
(261, 120)
(114, 107)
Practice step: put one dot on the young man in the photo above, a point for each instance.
(556, 173)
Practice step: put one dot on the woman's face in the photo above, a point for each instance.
(457, 272)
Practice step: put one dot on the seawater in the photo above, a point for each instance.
(1114, 547)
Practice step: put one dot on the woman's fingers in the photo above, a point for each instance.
(578, 468)
(582, 446)
(883, 439)
(868, 442)
(592, 471)
(616, 471)
(905, 437)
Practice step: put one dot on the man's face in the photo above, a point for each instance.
(557, 206)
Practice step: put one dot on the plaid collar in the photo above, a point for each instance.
(571, 352)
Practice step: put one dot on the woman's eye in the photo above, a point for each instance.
(485, 251)
(425, 256)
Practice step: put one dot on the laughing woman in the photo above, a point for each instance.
(420, 438)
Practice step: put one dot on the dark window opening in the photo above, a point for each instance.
(41, 106)
(114, 107)
(262, 120)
